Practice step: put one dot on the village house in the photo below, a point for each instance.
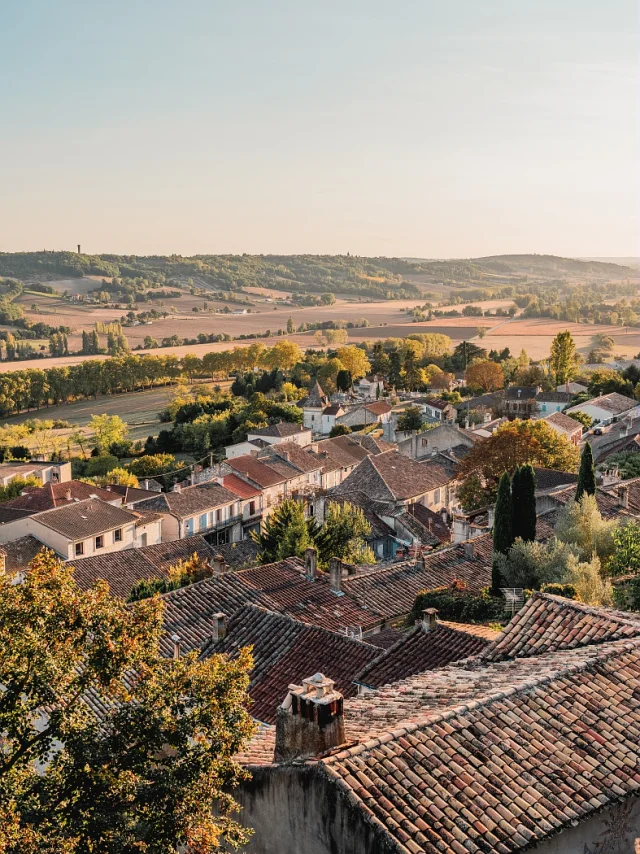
(439, 410)
(45, 472)
(313, 406)
(208, 509)
(272, 435)
(369, 388)
(607, 408)
(363, 415)
(80, 528)
(427, 763)
(444, 437)
(520, 402)
(552, 401)
(565, 426)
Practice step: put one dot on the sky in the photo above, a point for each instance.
(415, 128)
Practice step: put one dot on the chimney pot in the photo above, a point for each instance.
(311, 563)
(335, 576)
(491, 512)
(429, 619)
(310, 720)
(67, 495)
(623, 496)
(218, 564)
(219, 627)
(468, 549)
(176, 646)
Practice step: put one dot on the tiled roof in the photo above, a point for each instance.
(189, 501)
(146, 517)
(302, 458)
(10, 514)
(624, 443)
(257, 471)
(564, 422)
(37, 499)
(520, 392)
(608, 505)
(85, 518)
(380, 407)
(550, 478)
(554, 397)
(493, 758)
(130, 494)
(391, 476)
(125, 568)
(437, 403)
(333, 409)
(391, 591)
(614, 403)
(239, 487)
(316, 399)
(550, 623)
(431, 522)
(281, 430)
(18, 553)
(418, 651)
(379, 527)
(284, 650)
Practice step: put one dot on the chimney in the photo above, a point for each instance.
(218, 564)
(444, 515)
(468, 549)
(67, 495)
(176, 487)
(176, 646)
(335, 576)
(79, 253)
(310, 721)
(311, 563)
(466, 423)
(429, 619)
(491, 514)
(219, 627)
(623, 496)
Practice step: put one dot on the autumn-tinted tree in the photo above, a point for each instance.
(564, 358)
(587, 473)
(486, 375)
(106, 745)
(523, 496)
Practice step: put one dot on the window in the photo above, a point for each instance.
(252, 508)
(436, 496)
(203, 521)
(79, 548)
(99, 541)
(218, 515)
(425, 442)
(117, 535)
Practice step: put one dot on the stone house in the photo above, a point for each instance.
(209, 509)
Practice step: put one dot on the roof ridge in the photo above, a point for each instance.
(471, 704)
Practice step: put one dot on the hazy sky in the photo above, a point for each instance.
(432, 128)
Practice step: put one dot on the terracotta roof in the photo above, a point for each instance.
(608, 504)
(550, 478)
(431, 522)
(284, 650)
(493, 758)
(85, 518)
(239, 487)
(385, 638)
(19, 553)
(38, 499)
(302, 458)
(614, 403)
(437, 403)
(554, 397)
(190, 501)
(520, 392)
(125, 568)
(564, 422)
(550, 623)
(316, 399)
(281, 430)
(380, 407)
(257, 471)
(333, 409)
(130, 494)
(391, 591)
(418, 651)
(372, 444)
(392, 476)
(146, 517)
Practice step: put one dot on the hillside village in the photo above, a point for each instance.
(440, 591)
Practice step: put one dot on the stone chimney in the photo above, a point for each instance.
(176, 487)
(310, 721)
(311, 563)
(219, 627)
(491, 515)
(623, 496)
(218, 564)
(67, 495)
(335, 576)
(176, 646)
(429, 619)
(468, 549)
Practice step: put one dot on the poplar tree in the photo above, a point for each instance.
(587, 474)
(502, 528)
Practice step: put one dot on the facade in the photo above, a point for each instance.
(45, 472)
(607, 408)
(565, 426)
(552, 401)
(313, 406)
(520, 402)
(369, 388)
(282, 432)
(209, 510)
(440, 410)
(444, 437)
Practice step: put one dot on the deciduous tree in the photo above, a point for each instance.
(486, 375)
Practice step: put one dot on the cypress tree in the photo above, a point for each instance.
(502, 527)
(587, 474)
(524, 504)
(516, 503)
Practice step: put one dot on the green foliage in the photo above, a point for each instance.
(457, 604)
(180, 574)
(626, 555)
(568, 591)
(107, 430)
(564, 358)
(285, 533)
(411, 419)
(581, 526)
(343, 535)
(626, 595)
(152, 465)
(587, 473)
(523, 497)
(156, 770)
(339, 430)
(581, 417)
(15, 487)
(100, 466)
(473, 494)
(628, 463)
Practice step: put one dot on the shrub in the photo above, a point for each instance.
(457, 604)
